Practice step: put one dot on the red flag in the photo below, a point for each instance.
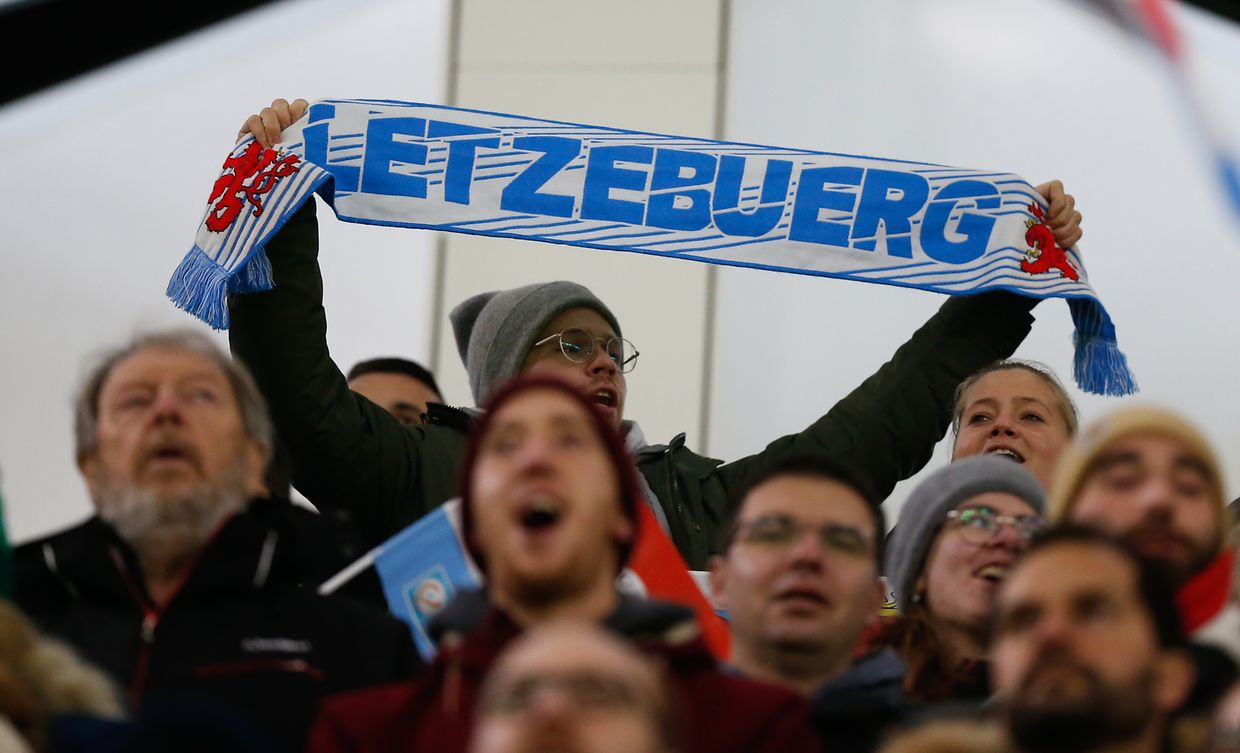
(1205, 594)
(665, 575)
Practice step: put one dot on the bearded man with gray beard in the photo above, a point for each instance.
(184, 592)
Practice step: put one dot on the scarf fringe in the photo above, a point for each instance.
(254, 276)
(1098, 366)
(201, 287)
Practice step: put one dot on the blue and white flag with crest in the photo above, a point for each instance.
(422, 567)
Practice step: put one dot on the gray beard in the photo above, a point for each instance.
(168, 534)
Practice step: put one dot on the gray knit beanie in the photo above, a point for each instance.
(495, 331)
(926, 508)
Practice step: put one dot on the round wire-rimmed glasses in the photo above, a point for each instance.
(577, 345)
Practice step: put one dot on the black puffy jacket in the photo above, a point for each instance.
(242, 629)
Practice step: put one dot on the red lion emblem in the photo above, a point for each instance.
(246, 177)
(1045, 253)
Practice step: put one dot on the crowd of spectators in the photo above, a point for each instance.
(1058, 587)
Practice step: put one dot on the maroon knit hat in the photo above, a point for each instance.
(613, 445)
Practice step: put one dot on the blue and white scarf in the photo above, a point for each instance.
(945, 229)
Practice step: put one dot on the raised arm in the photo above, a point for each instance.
(347, 452)
(888, 426)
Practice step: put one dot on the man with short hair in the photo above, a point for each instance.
(798, 574)
(401, 387)
(1147, 475)
(347, 455)
(571, 686)
(549, 513)
(1087, 652)
(178, 587)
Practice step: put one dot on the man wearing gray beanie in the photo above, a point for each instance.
(348, 454)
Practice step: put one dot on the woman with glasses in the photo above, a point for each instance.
(958, 534)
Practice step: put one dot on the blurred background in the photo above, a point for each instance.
(108, 149)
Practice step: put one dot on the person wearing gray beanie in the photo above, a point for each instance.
(958, 534)
(495, 331)
(926, 508)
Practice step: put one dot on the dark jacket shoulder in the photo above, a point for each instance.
(853, 712)
(239, 630)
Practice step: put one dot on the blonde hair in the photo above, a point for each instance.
(1063, 401)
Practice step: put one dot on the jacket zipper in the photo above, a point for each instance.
(150, 618)
(681, 512)
(151, 615)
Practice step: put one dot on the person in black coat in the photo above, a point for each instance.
(182, 587)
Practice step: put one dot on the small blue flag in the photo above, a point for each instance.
(422, 567)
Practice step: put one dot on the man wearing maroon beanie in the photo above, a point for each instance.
(549, 513)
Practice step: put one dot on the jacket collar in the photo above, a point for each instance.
(95, 564)
(876, 679)
(632, 617)
(477, 632)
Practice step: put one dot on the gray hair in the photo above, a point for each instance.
(1063, 400)
(254, 416)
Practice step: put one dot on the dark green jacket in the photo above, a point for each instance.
(349, 453)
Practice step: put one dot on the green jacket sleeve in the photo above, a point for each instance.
(888, 426)
(347, 452)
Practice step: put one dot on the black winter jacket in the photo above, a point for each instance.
(239, 630)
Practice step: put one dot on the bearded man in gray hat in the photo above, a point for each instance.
(349, 454)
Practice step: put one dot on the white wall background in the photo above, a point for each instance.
(106, 177)
(646, 65)
(1042, 88)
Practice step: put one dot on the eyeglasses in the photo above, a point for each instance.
(577, 345)
(980, 524)
(782, 531)
(586, 690)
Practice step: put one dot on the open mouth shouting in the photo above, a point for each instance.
(993, 573)
(539, 515)
(607, 398)
(168, 455)
(1004, 451)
